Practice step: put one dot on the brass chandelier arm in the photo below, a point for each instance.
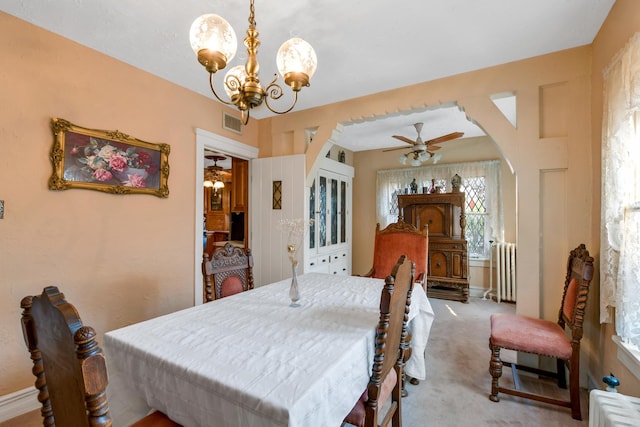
(213, 89)
(274, 91)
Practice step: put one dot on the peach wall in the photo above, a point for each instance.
(119, 259)
(623, 21)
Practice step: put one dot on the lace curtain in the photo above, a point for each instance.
(393, 181)
(620, 231)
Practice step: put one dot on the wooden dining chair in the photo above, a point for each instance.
(547, 338)
(390, 347)
(397, 239)
(69, 366)
(229, 272)
(394, 240)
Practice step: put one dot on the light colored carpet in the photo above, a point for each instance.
(456, 391)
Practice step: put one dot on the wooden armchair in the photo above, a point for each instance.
(400, 239)
(70, 369)
(391, 345)
(229, 272)
(547, 338)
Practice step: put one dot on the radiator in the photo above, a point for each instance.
(608, 409)
(505, 261)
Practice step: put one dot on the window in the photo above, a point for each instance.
(481, 182)
(620, 230)
(476, 212)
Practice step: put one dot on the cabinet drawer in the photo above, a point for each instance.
(319, 264)
(339, 265)
(448, 260)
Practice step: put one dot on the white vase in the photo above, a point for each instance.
(294, 291)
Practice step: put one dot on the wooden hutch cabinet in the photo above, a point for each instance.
(443, 213)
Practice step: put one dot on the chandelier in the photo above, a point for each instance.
(215, 43)
(212, 177)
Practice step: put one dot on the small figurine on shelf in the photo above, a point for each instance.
(414, 187)
(455, 183)
(432, 189)
(341, 156)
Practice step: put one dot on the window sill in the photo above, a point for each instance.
(478, 262)
(629, 357)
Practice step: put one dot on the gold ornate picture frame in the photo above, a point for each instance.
(108, 161)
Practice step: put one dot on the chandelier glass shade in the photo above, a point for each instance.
(215, 43)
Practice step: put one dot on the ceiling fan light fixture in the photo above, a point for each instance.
(208, 183)
(416, 162)
(403, 159)
(218, 184)
(436, 158)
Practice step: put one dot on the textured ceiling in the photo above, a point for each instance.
(363, 46)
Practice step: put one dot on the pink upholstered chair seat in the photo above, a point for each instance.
(357, 414)
(530, 335)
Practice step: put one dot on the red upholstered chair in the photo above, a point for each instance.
(547, 338)
(388, 360)
(229, 272)
(70, 369)
(400, 239)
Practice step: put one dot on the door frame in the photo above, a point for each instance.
(212, 141)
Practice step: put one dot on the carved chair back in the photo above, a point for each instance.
(70, 368)
(398, 239)
(229, 272)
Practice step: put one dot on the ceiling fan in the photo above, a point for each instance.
(423, 150)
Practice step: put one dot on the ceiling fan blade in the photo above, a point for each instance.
(397, 148)
(405, 139)
(433, 147)
(444, 138)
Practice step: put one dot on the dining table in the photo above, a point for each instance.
(253, 360)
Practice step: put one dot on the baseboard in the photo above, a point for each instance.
(18, 403)
(476, 292)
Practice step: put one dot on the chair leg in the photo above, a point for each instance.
(562, 377)
(495, 369)
(404, 393)
(574, 389)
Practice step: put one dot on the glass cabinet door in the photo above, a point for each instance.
(312, 215)
(343, 212)
(333, 214)
(322, 211)
(328, 208)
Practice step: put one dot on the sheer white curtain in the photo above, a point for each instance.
(392, 181)
(620, 231)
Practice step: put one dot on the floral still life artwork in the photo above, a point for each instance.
(108, 161)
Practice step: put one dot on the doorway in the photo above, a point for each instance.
(208, 141)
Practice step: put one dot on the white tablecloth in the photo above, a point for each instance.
(251, 360)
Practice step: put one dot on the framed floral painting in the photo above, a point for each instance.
(108, 161)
